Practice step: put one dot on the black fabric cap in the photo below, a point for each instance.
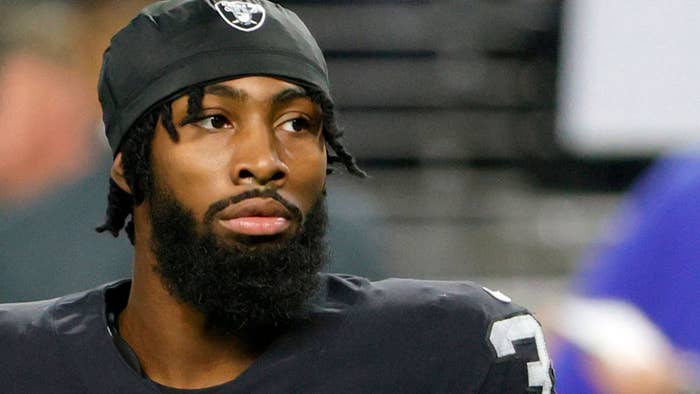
(174, 44)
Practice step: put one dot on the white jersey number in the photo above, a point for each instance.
(505, 332)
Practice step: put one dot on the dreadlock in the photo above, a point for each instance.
(136, 156)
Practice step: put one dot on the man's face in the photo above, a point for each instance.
(236, 210)
(254, 133)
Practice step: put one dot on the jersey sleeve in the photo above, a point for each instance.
(521, 363)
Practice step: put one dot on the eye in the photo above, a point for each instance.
(214, 122)
(296, 125)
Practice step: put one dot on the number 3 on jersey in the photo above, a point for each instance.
(505, 333)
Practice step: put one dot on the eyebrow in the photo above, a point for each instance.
(288, 95)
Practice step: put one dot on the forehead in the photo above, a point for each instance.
(255, 88)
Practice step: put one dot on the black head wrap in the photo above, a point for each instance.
(174, 44)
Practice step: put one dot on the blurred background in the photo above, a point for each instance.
(501, 136)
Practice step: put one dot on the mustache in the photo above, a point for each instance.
(255, 193)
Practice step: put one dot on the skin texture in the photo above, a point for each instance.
(257, 144)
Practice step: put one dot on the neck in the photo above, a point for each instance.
(170, 338)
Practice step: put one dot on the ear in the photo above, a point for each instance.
(117, 174)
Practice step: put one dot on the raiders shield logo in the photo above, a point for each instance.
(242, 15)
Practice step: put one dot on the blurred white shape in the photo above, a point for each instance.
(630, 76)
(612, 330)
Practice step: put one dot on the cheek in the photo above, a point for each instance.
(193, 178)
(307, 177)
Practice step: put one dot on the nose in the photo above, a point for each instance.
(257, 163)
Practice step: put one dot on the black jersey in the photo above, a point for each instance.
(392, 336)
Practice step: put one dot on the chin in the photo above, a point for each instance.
(238, 281)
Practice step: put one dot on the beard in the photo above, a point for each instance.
(250, 289)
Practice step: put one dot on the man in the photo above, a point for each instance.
(222, 125)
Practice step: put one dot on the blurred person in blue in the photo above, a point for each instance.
(631, 325)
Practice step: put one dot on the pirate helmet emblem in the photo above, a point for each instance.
(241, 15)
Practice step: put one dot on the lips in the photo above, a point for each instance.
(256, 217)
